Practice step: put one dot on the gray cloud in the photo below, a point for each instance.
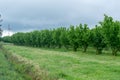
(25, 15)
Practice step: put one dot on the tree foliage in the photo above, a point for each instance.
(98, 40)
(111, 31)
(107, 33)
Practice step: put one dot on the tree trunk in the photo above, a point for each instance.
(66, 47)
(48, 46)
(59, 46)
(98, 51)
(85, 48)
(75, 48)
(114, 52)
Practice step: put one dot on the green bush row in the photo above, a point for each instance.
(105, 34)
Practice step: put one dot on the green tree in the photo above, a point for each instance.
(7, 39)
(111, 31)
(56, 37)
(79, 34)
(85, 37)
(98, 40)
(73, 38)
(64, 37)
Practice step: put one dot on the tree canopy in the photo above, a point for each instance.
(106, 33)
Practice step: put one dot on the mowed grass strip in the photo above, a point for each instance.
(6, 70)
(72, 65)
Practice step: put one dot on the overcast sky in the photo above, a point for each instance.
(27, 15)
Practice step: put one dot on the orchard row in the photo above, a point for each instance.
(105, 34)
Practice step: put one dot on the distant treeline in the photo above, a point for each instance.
(105, 34)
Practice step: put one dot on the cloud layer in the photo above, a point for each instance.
(7, 33)
(25, 15)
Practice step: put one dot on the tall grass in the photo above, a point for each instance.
(27, 67)
(7, 72)
(68, 65)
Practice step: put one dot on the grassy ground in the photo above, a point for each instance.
(68, 65)
(6, 70)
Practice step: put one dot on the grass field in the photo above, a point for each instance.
(7, 72)
(68, 65)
